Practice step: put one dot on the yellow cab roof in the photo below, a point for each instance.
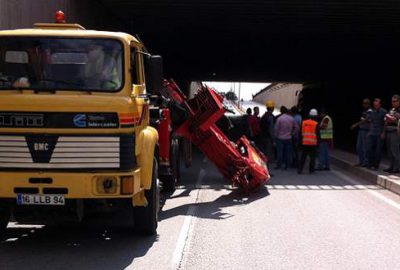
(67, 30)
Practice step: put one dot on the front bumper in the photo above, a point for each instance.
(71, 185)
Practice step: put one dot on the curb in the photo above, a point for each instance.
(389, 182)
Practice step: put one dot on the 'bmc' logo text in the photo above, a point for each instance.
(41, 146)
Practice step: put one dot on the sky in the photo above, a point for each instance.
(246, 89)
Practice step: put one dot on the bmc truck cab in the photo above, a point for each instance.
(74, 124)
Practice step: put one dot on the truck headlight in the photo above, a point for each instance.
(106, 185)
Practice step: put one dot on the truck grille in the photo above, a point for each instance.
(67, 152)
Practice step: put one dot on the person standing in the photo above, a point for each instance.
(296, 137)
(309, 141)
(363, 129)
(392, 138)
(254, 121)
(246, 124)
(376, 120)
(285, 127)
(326, 142)
(267, 131)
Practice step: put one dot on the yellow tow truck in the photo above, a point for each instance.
(74, 124)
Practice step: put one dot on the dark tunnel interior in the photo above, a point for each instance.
(342, 51)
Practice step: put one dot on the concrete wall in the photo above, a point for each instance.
(283, 94)
(194, 86)
(89, 13)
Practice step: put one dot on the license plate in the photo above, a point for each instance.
(35, 199)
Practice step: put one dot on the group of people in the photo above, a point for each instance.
(377, 125)
(290, 138)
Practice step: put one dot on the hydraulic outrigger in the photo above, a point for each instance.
(238, 162)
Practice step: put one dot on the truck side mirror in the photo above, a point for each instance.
(154, 76)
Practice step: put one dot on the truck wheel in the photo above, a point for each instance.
(4, 218)
(146, 217)
(176, 161)
(169, 181)
(187, 152)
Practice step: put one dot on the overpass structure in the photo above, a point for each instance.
(341, 51)
(283, 94)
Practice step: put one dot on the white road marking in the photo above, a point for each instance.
(302, 187)
(372, 192)
(349, 187)
(185, 236)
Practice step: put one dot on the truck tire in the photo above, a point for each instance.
(187, 152)
(169, 181)
(176, 161)
(4, 218)
(146, 217)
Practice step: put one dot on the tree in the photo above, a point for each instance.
(231, 96)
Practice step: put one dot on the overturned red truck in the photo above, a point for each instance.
(238, 162)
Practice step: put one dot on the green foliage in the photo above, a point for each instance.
(231, 96)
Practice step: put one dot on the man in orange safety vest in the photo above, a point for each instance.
(309, 141)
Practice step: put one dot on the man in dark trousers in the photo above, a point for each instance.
(363, 130)
(376, 120)
(254, 122)
(392, 138)
(246, 129)
(309, 141)
(326, 140)
(267, 131)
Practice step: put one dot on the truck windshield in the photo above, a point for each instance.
(44, 63)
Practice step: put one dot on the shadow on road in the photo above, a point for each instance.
(77, 246)
(214, 209)
(212, 180)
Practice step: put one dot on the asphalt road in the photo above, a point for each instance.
(328, 220)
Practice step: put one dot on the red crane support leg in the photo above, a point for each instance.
(239, 162)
